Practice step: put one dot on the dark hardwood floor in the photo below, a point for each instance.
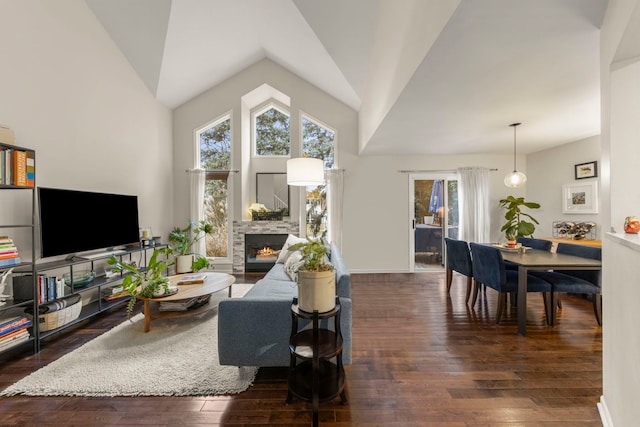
(420, 358)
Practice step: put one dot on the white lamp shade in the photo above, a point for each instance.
(303, 171)
(515, 179)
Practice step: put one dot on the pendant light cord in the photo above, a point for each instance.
(514, 125)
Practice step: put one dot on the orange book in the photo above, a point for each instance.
(9, 255)
(19, 168)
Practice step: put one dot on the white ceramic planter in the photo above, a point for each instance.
(183, 264)
(316, 291)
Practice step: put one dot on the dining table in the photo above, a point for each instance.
(533, 259)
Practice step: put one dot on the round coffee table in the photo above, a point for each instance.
(215, 282)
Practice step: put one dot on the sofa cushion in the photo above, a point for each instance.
(292, 264)
(284, 252)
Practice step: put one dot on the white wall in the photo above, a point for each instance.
(620, 87)
(376, 205)
(548, 170)
(69, 93)
(376, 215)
(226, 97)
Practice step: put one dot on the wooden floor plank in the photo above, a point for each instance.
(420, 358)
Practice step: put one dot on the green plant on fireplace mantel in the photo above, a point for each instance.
(516, 226)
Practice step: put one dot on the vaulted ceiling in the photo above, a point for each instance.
(426, 76)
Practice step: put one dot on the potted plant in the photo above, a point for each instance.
(316, 277)
(182, 239)
(517, 226)
(148, 282)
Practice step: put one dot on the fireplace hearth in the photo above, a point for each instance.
(261, 251)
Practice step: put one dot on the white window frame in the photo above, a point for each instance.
(228, 260)
(264, 107)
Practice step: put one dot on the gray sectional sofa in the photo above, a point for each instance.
(254, 330)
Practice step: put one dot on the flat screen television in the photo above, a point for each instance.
(73, 221)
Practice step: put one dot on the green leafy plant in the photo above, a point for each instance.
(516, 226)
(182, 239)
(143, 282)
(313, 255)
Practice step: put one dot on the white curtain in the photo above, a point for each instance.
(335, 194)
(196, 209)
(473, 200)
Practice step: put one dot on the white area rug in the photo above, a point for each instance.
(177, 357)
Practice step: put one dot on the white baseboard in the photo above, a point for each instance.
(605, 416)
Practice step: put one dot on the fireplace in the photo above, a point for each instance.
(261, 251)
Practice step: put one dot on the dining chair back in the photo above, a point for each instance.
(489, 270)
(540, 244)
(459, 260)
(575, 281)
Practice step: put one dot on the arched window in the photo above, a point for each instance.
(318, 141)
(271, 131)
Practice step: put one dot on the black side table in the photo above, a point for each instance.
(313, 376)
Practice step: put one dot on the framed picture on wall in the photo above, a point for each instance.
(586, 170)
(580, 198)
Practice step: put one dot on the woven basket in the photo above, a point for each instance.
(267, 216)
(55, 319)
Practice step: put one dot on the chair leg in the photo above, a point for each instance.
(502, 302)
(597, 307)
(553, 310)
(469, 285)
(559, 301)
(476, 290)
(549, 307)
(449, 279)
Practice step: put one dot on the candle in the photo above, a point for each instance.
(145, 234)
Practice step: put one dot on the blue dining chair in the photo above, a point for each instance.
(459, 260)
(575, 281)
(489, 270)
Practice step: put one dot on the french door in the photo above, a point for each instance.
(433, 215)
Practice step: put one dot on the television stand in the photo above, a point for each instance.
(103, 254)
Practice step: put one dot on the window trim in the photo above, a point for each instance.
(260, 109)
(228, 115)
(305, 116)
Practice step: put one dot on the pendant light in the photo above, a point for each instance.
(303, 171)
(515, 178)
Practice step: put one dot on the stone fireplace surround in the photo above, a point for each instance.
(240, 228)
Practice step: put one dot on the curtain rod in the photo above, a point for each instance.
(213, 170)
(436, 171)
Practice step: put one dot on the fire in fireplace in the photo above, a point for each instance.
(261, 251)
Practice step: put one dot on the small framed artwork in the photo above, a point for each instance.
(580, 198)
(586, 170)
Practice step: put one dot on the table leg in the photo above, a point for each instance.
(522, 300)
(147, 315)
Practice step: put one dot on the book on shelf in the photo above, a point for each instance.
(15, 340)
(31, 169)
(8, 255)
(7, 322)
(192, 279)
(9, 262)
(19, 168)
(24, 325)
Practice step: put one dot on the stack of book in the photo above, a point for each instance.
(8, 252)
(13, 331)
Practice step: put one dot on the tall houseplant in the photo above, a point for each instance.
(517, 224)
(148, 282)
(316, 277)
(182, 240)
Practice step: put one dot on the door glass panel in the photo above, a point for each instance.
(436, 217)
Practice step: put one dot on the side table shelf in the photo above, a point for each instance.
(316, 373)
